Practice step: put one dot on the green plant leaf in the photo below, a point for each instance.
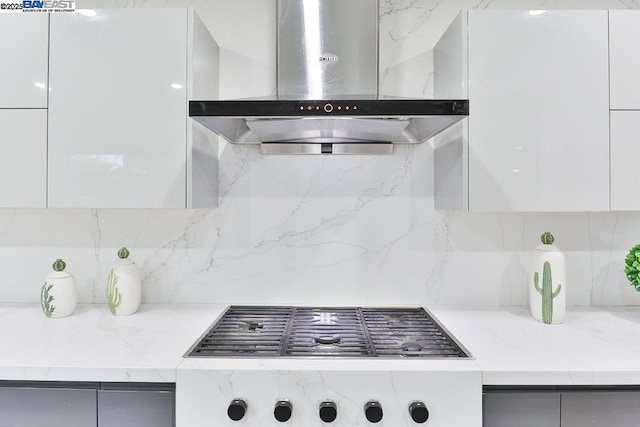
(632, 267)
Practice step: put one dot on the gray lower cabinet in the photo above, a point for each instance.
(562, 407)
(65, 404)
(522, 409)
(601, 409)
(36, 406)
(136, 406)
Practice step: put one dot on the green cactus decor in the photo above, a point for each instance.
(59, 265)
(632, 267)
(123, 253)
(547, 238)
(46, 299)
(45, 296)
(114, 297)
(546, 291)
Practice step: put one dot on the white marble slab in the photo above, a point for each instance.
(592, 347)
(201, 394)
(94, 345)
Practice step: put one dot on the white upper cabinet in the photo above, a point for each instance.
(624, 48)
(537, 136)
(23, 158)
(624, 45)
(625, 153)
(24, 47)
(119, 132)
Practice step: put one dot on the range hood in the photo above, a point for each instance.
(327, 98)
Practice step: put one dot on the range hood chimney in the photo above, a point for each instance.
(327, 98)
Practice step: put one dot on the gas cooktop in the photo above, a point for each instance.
(274, 331)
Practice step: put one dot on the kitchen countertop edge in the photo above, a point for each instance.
(593, 346)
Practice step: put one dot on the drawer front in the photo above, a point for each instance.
(521, 409)
(601, 409)
(50, 407)
(124, 408)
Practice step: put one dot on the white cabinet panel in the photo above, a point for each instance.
(118, 109)
(539, 126)
(624, 43)
(625, 152)
(451, 168)
(537, 136)
(23, 158)
(24, 39)
(202, 154)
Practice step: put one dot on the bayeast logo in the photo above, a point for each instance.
(48, 5)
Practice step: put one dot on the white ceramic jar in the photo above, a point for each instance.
(547, 282)
(124, 286)
(59, 295)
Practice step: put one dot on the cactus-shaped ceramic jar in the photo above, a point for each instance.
(547, 282)
(59, 295)
(124, 287)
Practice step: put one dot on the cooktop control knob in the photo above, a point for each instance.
(373, 411)
(419, 412)
(283, 409)
(237, 409)
(328, 411)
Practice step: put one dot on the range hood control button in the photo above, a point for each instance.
(283, 409)
(373, 411)
(237, 409)
(419, 412)
(328, 411)
(328, 107)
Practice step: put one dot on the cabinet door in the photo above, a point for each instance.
(600, 409)
(522, 409)
(136, 408)
(23, 159)
(539, 119)
(24, 47)
(118, 109)
(625, 152)
(624, 45)
(50, 407)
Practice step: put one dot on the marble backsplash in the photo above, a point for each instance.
(316, 229)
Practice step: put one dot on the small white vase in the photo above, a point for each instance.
(124, 286)
(547, 282)
(59, 295)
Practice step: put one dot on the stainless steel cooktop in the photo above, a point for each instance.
(263, 331)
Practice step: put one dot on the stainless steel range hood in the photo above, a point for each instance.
(327, 98)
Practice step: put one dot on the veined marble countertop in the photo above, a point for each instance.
(594, 346)
(94, 345)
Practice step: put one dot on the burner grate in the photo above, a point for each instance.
(246, 331)
(327, 332)
(409, 333)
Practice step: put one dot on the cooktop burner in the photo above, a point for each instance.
(261, 331)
